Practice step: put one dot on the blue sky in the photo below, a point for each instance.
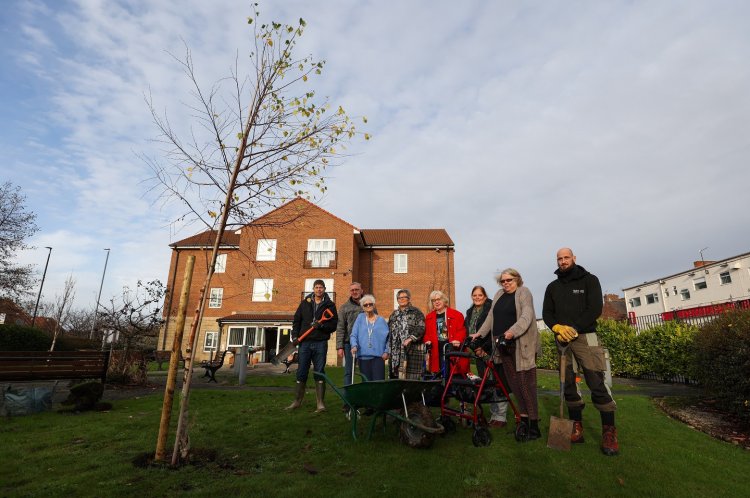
(617, 128)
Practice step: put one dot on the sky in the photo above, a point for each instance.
(617, 128)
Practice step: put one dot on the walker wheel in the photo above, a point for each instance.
(481, 437)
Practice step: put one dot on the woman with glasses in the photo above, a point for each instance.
(512, 322)
(406, 324)
(444, 330)
(369, 340)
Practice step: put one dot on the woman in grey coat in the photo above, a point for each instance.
(512, 322)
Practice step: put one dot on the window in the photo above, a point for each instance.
(321, 253)
(221, 263)
(684, 295)
(214, 301)
(400, 263)
(266, 250)
(699, 283)
(725, 278)
(635, 302)
(666, 292)
(262, 289)
(244, 336)
(328, 283)
(209, 343)
(652, 298)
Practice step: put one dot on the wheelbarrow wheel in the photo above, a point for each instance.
(414, 436)
(481, 437)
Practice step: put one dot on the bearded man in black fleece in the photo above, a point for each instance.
(572, 303)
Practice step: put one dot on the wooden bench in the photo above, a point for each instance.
(55, 365)
(212, 366)
(162, 356)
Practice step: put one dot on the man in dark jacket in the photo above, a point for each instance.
(572, 304)
(348, 313)
(314, 347)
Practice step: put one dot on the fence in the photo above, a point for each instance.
(697, 316)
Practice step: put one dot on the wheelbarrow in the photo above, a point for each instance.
(402, 399)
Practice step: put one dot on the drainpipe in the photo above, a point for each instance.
(448, 272)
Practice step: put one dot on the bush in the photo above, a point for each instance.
(722, 354)
(22, 338)
(549, 351)
(667, 350)
(625, 352)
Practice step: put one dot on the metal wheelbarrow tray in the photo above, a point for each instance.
(401, 399)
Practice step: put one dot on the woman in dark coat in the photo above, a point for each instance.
(475, 317)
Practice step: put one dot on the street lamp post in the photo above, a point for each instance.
(41, 286)
(96, 311)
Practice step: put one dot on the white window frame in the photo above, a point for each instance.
(248, 336)
(635, 302)
(327, 281)
(652, 298)
(684, 295)
(221, 263)
(210, 341)
(725, 278)
(700, 283)
(216, 296)
(263, 290)
(400, 263)
(320, 247)
(266, 250)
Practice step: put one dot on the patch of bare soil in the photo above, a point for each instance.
(703, 415)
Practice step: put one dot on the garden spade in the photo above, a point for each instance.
(560, 428)
(289, 348)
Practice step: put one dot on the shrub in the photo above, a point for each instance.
(22, 338)
(549, 351)
(667, 350)
(625, 351)
(722, 354)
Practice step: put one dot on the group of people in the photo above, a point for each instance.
(505, 326)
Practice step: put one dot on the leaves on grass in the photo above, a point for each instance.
(621, 481)
(309, 468)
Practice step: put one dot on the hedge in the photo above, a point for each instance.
(722, 361)
(22, 338)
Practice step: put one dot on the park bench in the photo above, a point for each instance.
(163, 356)
(53, 365)
(212, 366)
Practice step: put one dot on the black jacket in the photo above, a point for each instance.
(574, 299)
(487, 341)
(303, 319)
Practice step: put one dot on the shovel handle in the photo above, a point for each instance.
(563, 358)
(327, 315)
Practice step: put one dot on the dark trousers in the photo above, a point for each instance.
(373, 368)
(311, 351)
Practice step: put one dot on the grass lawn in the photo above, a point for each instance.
(263, 449)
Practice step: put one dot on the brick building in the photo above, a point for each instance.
(265, 269)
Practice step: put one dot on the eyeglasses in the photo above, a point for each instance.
(367, 305)
(402, 297)
(506, 280)
(435, 300)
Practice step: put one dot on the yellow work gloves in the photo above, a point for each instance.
(564, 333)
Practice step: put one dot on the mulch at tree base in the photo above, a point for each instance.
(703, 415)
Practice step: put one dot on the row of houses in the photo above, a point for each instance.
(265, 268)
(704, 290)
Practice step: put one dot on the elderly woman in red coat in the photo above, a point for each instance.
(443, 325)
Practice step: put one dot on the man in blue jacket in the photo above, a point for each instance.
(572, 304)
(314, 347)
